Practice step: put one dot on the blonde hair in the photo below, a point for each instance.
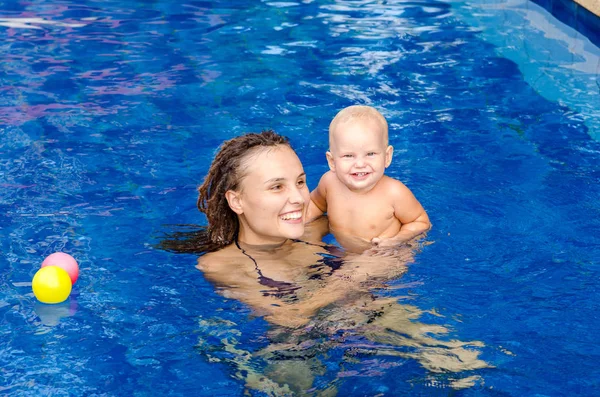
(358, 112)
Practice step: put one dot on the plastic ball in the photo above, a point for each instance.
(51, 284)
(64, 261)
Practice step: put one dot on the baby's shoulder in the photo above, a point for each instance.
(393, 187)
(328, 177)
(328, 180)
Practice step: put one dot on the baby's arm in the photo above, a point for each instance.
(409, 212)
(318, 201)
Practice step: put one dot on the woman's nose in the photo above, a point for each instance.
(297, 197)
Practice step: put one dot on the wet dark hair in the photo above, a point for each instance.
(225, 173)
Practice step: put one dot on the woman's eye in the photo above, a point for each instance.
(276, 187)
(301, 183)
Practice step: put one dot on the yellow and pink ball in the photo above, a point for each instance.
(54, 281)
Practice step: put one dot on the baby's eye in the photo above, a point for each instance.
(371, 154)
(347, 156)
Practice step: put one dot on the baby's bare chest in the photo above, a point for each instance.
(365, 216)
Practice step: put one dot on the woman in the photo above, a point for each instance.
(255, 199)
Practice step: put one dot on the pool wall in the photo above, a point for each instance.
(581, 15)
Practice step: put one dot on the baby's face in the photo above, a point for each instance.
(359, 154)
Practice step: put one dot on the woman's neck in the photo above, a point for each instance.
(260, 247)
(256, 241)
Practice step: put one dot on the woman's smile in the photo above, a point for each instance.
(292, 217)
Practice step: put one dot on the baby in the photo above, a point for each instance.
(359, 199)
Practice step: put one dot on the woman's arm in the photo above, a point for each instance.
(316, 230)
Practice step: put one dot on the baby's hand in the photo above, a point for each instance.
(386, 242)
(379, 247)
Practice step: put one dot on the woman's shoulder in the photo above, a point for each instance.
(218, 260)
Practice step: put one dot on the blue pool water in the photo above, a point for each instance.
(111, 111)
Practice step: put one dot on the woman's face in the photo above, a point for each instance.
(273, 197)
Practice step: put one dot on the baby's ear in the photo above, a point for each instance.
(389, 153)
(234, 201)
(330, 161)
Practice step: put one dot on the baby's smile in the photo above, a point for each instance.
(360, 175)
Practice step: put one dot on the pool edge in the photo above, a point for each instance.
(592, 6)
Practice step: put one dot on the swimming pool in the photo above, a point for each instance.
(111, 112)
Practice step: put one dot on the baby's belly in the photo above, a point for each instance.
(351, 242)
(382, 228)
